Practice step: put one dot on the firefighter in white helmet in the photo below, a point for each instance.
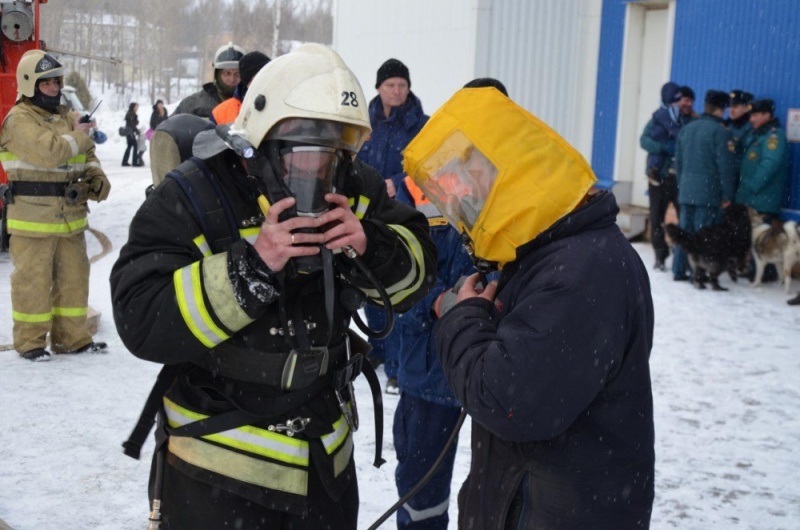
(226, 77)
(52, 171)
(241, 275)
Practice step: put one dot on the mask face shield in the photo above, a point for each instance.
(461, 187)
(308, 173)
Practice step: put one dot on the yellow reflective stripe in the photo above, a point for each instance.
(7, 155)
(70, 311)
(202, 244)
(333, 440)
(250, 234)
(246, 438)
(342, 458)
(189, 293)
(400, 290)
(363, 204)
(240, 467)
(31, 317)
(48, 228)
(220, 293)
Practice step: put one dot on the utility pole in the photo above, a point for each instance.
(276, 17)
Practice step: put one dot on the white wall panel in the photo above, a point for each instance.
(544, 51)
(434, 38)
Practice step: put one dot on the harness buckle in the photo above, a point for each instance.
(302, 369)
(291, 427)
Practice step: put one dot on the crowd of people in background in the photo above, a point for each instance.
(702, 164)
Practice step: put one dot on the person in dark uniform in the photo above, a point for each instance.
(252, 322)
(706, 167)
(739, 117)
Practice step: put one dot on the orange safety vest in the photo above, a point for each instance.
(227, 111)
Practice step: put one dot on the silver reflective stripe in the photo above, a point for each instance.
(428, 209)
(202, 244)
(342, 458)
(246, 438)
(70, 167)
(94, 163)
(73, 145)
(400, 290)
(240, 467)
(427, 513)
(189, 294)
(333, 440)
(250, 234)
(220, 293)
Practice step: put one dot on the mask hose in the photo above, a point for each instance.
(384, 296)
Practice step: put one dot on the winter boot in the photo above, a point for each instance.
(37, 355)
(392, 387)
(92, 347)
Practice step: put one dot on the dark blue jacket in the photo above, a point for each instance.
(420, 372)
(384, 149)
(663, 129)
(555, 375)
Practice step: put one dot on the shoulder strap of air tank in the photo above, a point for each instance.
(211, 208)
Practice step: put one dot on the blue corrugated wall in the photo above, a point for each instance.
(609, 70)
(718, 44)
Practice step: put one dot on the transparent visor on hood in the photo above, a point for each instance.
(308, 172)
(460, 180)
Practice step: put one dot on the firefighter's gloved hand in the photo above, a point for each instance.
(76, 193)
(99, 187)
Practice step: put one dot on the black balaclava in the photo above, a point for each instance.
(48, 103)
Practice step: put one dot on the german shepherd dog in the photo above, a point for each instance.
(716, 248)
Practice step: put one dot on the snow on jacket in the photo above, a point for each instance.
(556, 378)
(705, 160)
(384, 149)
(38, 146)
(419, 372)
(764, 169)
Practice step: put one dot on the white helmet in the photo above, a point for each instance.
(227, 57)
(310, 83)
(34, 66)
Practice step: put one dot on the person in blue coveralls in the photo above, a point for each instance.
(396, 117)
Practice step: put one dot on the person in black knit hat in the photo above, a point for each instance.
(396, 117)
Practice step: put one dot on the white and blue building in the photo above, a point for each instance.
(592, 69)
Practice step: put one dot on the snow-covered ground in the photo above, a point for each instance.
(725, 368)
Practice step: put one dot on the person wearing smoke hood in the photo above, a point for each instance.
(552, 360)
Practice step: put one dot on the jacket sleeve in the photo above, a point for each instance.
(651, 145)
(770, 161)
(40, 146)
(726, 164)
(528, 377)
(400, 252)
(171, 301)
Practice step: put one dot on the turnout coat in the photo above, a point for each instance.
(177, 302)
(555, 376)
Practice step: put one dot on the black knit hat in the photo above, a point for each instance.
(392, 68)
(740, 97)
(687, 92)
(483, 82)
(249, 65)
(763, 105)
(717, 98)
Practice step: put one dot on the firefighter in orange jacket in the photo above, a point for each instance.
(52, 172)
